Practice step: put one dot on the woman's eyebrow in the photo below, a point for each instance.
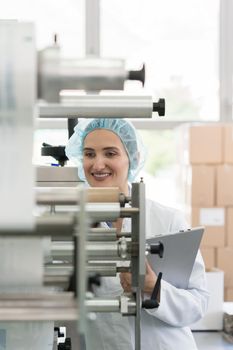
(88, 149)
(110, 148)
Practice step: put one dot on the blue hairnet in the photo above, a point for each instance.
(122, 128)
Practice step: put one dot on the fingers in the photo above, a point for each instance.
(148, 267)
(125, 280)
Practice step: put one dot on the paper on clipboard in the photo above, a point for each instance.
(180, 251)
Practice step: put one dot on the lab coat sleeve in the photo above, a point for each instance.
(182, 307)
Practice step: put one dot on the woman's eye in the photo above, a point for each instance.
(89, 154)
(110, 154)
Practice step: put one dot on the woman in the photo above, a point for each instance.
(109, 153)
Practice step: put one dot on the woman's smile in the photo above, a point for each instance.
(100, 176)
(105, 160)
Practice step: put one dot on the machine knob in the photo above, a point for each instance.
(156, 248)
(159, 107)
(138, 74)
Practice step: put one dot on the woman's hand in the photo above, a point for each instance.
(150, 280)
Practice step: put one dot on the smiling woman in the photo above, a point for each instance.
(109, 153)
(105, 160)
(117, 134)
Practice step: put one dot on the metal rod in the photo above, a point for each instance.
(33, 306)
(47, 225)
(127, 212)
(102, 250)
(71, 195)
(124, 234)
(96, 237)
(62, 272)
(103, 305)
(92, 27)
(109, 106)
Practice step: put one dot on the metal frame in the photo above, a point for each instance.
(92, 27)
(225, 67)
(138, 262)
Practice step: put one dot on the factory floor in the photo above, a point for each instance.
(214, 340)
(211, 341)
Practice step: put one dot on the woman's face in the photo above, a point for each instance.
(105, 160)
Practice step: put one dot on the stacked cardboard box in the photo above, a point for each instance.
(206, 152)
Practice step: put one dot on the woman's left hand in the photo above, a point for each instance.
(150, 280)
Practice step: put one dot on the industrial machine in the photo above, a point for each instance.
(51, 256)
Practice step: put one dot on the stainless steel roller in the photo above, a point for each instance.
(109, 106)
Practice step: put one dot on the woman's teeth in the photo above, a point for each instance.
(101, 175)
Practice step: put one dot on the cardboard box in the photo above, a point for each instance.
(209, 257)
(228, 294)
(201, 186)
(225, 185)
(225, 263)
(229, 227)
(228, 144)
(206, 144)
(213, 219)
(213, 320)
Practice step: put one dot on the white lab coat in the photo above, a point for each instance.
(163, 328)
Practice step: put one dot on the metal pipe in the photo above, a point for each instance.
(71, 195)
(128, 212)
(102, 250)
(60, 273)
(124, 234)
(110, 305)
(37, 306)
(106, 269)
(47, 225)
(95, 250)
(103, 305)
(103, 237)
(109, 106)
(58, 270)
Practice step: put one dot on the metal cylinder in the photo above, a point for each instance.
(102, 250)
(95, 250)
(103, 305)
(106, 269)
(57, 274)
(58, 270)
(90, 74)
(104, 194)
(103, 269)
(62, 249)
(103, 211)
(92, 106)
(59, 225)
(57, 195)
(70, 195)
(102, 237)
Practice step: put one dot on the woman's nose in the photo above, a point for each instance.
(98, 163)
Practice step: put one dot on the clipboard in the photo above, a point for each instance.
(180, 251)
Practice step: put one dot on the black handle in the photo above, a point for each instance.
(159, 107)
(157, 248)
(57, 152)
(137, 74)
(153, 301)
